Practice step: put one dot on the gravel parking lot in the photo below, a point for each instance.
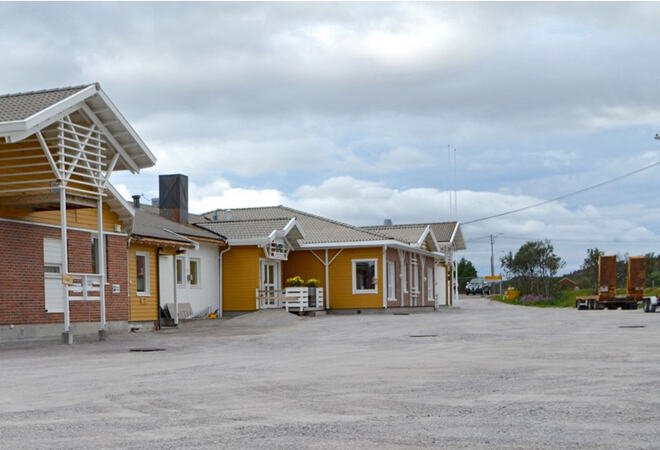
(482, 375)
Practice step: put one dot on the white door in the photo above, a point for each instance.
(166, 279)
(53, 287)
(440, 285)
(270, 275)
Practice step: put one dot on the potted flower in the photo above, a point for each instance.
(295, 281)
(311, 287)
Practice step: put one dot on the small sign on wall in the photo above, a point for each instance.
(116, 288)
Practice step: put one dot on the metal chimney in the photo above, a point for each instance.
(387, 222)
(173, 197)
(136, 201)
(228, 215)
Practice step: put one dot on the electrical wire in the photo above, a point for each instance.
(561, 197)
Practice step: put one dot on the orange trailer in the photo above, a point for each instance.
(606, 297)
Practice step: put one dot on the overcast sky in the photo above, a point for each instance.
(346, 110)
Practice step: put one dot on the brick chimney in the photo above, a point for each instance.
(173, 197)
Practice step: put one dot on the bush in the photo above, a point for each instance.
(295, 281)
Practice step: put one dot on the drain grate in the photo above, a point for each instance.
(632, 326)
(399, 314)
(147, 349)
(422, 335)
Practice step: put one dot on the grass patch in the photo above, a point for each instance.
(566, 299)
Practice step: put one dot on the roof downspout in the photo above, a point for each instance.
(384, 276)
(220, 278)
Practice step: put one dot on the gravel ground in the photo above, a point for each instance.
(482, 375)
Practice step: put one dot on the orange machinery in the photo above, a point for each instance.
(606, 297)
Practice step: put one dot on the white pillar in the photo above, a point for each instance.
(176, 304)
(65, 260)
(327, 280)
(384, 282)
(100, 254)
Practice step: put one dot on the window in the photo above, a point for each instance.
(415, 277)
(391, 281)
(364, 276)
(52, 268)
(95, 256)
(404, 276)
(179, 271)
(142, 273)
(429, 283)
(53, 291)
(193, 273)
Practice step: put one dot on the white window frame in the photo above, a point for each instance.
(404, 276)
(391, 281)
(198, 285)
(105, 252)
(414, 288)
(353, 273)
(182, 260)
(147, 275)
(430, 283)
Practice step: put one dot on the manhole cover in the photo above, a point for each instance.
(632, 326)
(423, 335)
(399, 314)
(147, 349)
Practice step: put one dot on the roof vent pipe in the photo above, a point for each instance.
(387, 222)
(228, 215)
(136, 201)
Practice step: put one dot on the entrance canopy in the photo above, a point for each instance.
(72, 138)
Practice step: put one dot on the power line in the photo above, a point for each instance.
(561, 197)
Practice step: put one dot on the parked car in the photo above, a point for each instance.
(477, 286)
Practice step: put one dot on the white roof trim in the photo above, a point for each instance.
(453, 235)
(43, 115)
(115, 193)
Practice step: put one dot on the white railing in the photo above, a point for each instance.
(85, 286)
(297, 298)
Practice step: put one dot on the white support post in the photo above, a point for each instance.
(423, 279)
(100, 254)
(176, 303)
(384, 283)
(67, 337)
(327, 280)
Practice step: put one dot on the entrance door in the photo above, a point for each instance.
(270, 275)
(269, 282)
(166, 280)
(441, 285)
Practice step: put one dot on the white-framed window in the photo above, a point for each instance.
(365, 279)
(194, 272)
(180, 275)
(142, 273)
(430, 283)
(53, 290)
(415, 277)
(391, 281)
(404, 276)
(95, 255)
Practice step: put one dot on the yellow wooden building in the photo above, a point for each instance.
(354, 268)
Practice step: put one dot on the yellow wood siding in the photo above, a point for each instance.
(79, 218)
(143, 308)
(341, 280)
(305, 264)
(240, 278)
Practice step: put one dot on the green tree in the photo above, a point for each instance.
(590, 267)
(535, 265)
(466, 271)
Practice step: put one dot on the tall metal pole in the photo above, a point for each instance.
(492, 258)
(100, 254)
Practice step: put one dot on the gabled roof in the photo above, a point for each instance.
(149, 223)
(317, 230)
(246, 229)
(23, 114)
(445, 233)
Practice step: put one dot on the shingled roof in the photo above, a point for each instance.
(149, 223)
(318, 230)
(443, 232)
(23, 105)
(24, 113)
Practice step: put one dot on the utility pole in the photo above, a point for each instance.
(492, 257)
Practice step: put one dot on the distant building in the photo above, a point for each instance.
(567, 283)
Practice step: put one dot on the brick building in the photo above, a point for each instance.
(58, 148)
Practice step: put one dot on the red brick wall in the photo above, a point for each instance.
(22, 298)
